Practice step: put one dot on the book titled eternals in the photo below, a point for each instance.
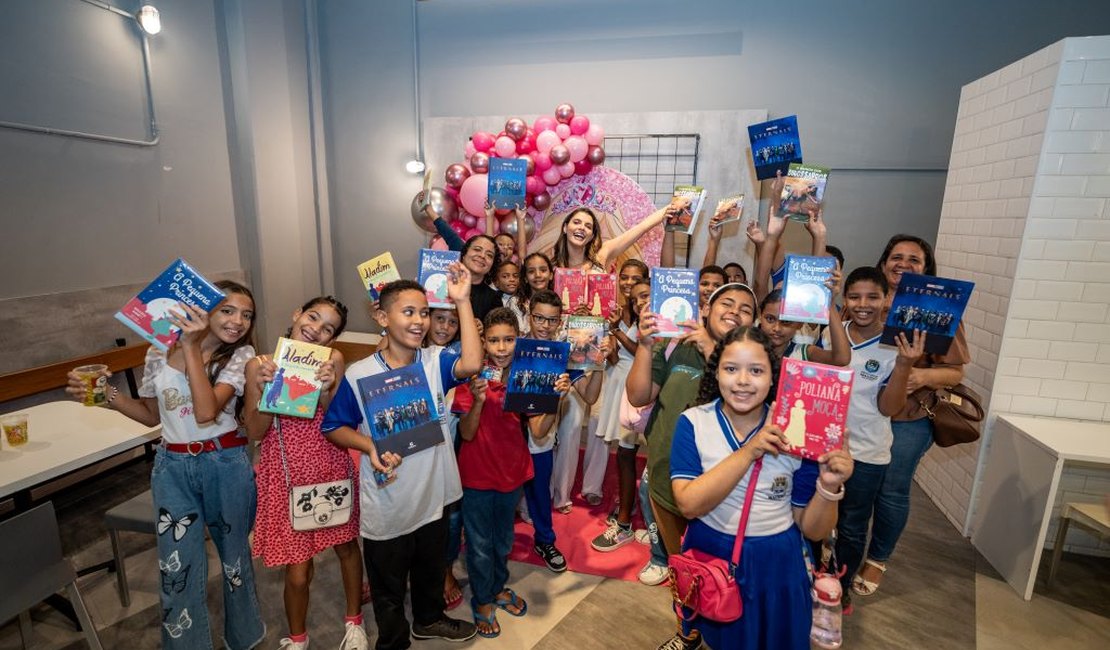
(506, 182)
(572, 287)
(148, 313)
(803, 191)
(686, 220)
(530, 386)
(674, 299)
(295, 390)
(932, 304)
(377, 272)
(400, 411)
(585, 334)
(775, 144)
(433, 276)
(805, 298)
(811, 407)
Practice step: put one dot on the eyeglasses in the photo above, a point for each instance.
(544, 320)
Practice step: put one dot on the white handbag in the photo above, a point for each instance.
(317, 505)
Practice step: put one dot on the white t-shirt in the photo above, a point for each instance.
(703, 437)
(428, 480)
(869, 431)
(170, 387)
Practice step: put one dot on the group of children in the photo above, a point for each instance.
(705, 397)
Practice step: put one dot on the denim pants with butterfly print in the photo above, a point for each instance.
(215, 490)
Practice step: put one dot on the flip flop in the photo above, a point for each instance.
(863, 587)
(454, 602)
(503, 604)
(491, 621)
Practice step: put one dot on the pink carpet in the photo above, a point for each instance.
(575, 531)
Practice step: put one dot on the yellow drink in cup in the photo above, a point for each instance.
(15, 428)
(95, 382)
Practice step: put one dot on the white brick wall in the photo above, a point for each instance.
(1050, 357)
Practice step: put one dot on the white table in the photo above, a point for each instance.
(1019, 485)
(62, 437)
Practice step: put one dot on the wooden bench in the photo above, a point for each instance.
(24, 383)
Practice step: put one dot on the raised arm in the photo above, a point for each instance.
(450, 237)
(613, 248)
(521, 235)
(641, 389)
(458, 289)
(259, 372)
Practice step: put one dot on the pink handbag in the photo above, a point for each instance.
(704, 583)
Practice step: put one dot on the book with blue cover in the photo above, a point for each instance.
(674, 299)
(506, 182)
(530, 386)
(775, 144)
(148, 312)
(932, 304)
(400, 411)
(805, 298)
(433, 276)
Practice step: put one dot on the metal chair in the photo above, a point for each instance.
(32, 569)
(136, 515)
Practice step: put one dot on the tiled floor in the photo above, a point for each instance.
(938, 594)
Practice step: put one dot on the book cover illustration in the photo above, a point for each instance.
(602, 292)
(572, 287)
(400, 411)
(925, 302)
(506, 182)
(148, 313)
(812, 406)
(674, 299)
(585, 334)
(735, 207)
(802, 191)
(686, 220)
(775, 144)
(295, 390)
(433, 276)
(377, 272)
(805, 298)
(530, 386)
(490, 372)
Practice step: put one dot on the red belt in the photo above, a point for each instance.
(229, 440)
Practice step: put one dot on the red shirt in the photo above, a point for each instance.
(497, 458)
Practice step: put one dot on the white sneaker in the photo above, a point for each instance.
(290, 644)
(653, 574)
(355, 638)
(643, 536)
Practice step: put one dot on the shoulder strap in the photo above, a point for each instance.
(285, 466)
(738, 545)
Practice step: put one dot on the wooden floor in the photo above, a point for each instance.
(938, 593)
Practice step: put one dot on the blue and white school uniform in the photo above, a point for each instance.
(608, 419)
(773, 574)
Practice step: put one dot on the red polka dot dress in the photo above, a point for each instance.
(312, 458)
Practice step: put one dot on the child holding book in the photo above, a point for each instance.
(782, 332)
(308, 458)
(716, 446)
(878, 392)
(402, 521)
(493, 465)
(202, 477)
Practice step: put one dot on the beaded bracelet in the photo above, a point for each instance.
(114, 394)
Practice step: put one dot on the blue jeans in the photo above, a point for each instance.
(658, 553)
(214, 489)
(488, 518)
(454, 531)
(860, 493)
(537, 493)
(892, 507)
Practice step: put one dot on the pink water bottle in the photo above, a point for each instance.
(825, 632)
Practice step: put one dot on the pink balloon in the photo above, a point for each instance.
(577, 146)
(544, 123)
(541, 201)
(543, 161)
(534, 185)
(596, 155)
(482, 140)
(505, 147)
(527, 144)
(552, 175)
(468, 219)
(438, 244)
(473, 193)
(583, 167)
(579, 124)
(559, 154)
(453, 191)
(459, 227)
(479, 163)
(473, 232)
(563, 131)
(469, 150)
(566, 170)
(595, 135)
(546, 140)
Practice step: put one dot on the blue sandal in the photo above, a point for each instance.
(491, 621)
(504, 604)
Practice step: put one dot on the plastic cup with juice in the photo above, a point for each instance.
(15, 427)
(95, 382)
